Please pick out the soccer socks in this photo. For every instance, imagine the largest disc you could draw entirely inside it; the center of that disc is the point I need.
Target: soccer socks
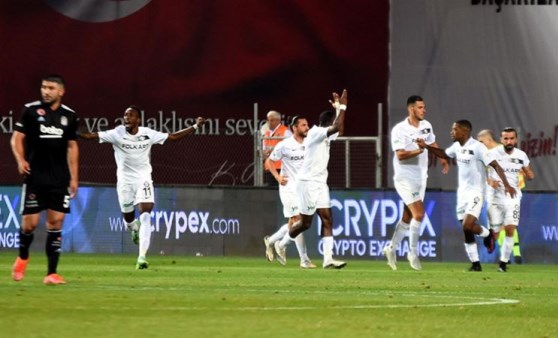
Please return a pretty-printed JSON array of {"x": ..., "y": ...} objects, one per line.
[
  {"x": 506, "y": 249},
  {"x": 414, "y": 236},
  {"x": 400, "y": 231},
  {"x": 25, "y": 241},
  {"x": 472, "y": 251},
  {"x": 279, "y": 234},
  {"x": 301, "y": 247},
  {"x": 53, "y": 248},
  {"x": 285, "y": 240},
  {"x": 516, "y": 248},
  {"x": 144, "y": 233},
  {"x": 328, "y": 248},
  {"x": 485, "y": 232}
]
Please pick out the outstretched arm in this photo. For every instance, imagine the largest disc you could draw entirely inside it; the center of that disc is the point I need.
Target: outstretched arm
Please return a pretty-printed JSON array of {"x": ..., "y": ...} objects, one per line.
[
  {"x": 89, "y": 136},
  {"x": 435, "y": 150},
  {"x": 340, "y": 105},
  {"x": 494, "y": 164},
  {"x": 187, "y": 131},
  {"x": 443, "y": 161}
]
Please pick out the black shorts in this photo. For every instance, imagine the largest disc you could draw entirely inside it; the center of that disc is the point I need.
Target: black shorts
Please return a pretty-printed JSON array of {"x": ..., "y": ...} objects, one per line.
[{"x": 35, "y": 199}]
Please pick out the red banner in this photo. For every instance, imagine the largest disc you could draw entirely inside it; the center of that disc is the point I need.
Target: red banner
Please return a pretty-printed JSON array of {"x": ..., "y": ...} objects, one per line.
[{"x": 192, "y": 58}]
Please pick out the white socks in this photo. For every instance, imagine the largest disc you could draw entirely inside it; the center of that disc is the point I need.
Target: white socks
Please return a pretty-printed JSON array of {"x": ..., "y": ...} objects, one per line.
[
  {"x": 485, "y": 232},
  {"x": 414, "y": 236},
  {"x": 279, "y": 234},
  {"x": 472, "y": 252},
  {"x": 144, "y": 233},
  {"x": 506, "y": 249},
  {"x": 400, "y": 232},
  {"x": 328, "y": 248},
  {"x": 301, "y": 247}
]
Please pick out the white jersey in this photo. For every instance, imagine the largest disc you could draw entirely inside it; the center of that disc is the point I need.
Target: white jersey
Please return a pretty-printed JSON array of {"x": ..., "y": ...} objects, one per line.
[
  {"x": 132, "y": 152},
  {"x": 472, "y": 159},
  {"x": 512, "y": 164},
  {"x": 403, "y": 136},
  {"x": 291, "y": 155},
  {"x": 316, "y": 155}
]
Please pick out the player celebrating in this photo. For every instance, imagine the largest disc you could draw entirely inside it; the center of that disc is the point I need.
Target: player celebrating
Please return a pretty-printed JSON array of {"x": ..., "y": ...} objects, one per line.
[
  {"x": 291, "y": 153},
  {"x": 472, "y": 159},
  {"x": 503, "y": 210},
  {"x": 132, "y": 148},
  {"x": 45, "y": 148},
  {"x": 312, "y": 189},
  {"x": 410, "y": 165}
]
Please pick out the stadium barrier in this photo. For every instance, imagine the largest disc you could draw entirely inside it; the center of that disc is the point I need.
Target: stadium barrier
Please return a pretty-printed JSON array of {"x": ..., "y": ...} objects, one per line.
[{"x": 232, "y": 221}]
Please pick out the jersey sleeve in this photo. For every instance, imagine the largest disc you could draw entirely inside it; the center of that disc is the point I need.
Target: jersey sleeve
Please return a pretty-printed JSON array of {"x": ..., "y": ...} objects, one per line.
[
  {"x": 431, "y": 137},
  {"x": 22, "y": 124},
  {"x": 316, "y": 135},
  {"x": 487, "y": 156},
  {"x": 397, "y": 140},
  {"x": 451, "y": 151},
  {"x": 277, "y": 153},
  {"x": 108, "y": 136},
  {"x": 526, "y": 161},
  {"x": 72, "y": 131},
  {"x": 157, "y": 137}
]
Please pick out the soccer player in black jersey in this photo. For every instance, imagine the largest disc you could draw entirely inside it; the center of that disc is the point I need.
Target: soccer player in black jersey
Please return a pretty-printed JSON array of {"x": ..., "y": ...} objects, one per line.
[{"x": 46, "y": 151}]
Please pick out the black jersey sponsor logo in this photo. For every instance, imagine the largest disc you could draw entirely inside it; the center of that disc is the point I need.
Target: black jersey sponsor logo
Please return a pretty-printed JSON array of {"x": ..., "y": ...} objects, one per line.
[
  {"x": 296, "y": 158},
  {"x": 52, "y": 130}
]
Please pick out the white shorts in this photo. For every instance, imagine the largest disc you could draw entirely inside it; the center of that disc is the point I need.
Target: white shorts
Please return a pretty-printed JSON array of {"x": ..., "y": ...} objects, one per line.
[
  {"x": 469, "y": 204},
  {"x": 503, "y": 214},
  {"x": 289, "y": 199},
  {"x": 410, "y": 191},
  {"x": 312, "y": 195},
  {"x": 131, "y": 194}
]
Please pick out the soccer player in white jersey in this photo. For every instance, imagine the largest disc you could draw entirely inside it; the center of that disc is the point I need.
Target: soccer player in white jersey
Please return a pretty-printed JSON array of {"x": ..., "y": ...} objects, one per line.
[
  {"x": 132, "y": 149},
  {"x": 410, "y": 166},
  {"x": 312, "y": 189},
  {"x": 290, "y": 152},
  {"x": 472, "y": 159},
  {"x": 504, "y": 211}
]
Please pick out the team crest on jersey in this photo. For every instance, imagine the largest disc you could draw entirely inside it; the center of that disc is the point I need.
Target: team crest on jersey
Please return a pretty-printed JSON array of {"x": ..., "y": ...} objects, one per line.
[
  {"x": 143, "y": 138},
  {"x": 41, "y": 112},
  {"x": 467, "y": 151},
  {"x": 63, "y": 120},
  {"x": 425, "y": 131}
]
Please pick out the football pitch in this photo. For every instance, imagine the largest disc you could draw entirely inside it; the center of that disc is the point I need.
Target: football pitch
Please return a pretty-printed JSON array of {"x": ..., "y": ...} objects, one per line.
[{"x": 249, "y": 297}]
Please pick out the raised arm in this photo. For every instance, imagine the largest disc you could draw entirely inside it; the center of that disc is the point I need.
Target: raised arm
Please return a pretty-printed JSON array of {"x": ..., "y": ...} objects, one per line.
[
  {"x": 494, "y": 164},
  {"x": 187, "y": 131},
  {"x": 339, "y": 103}
]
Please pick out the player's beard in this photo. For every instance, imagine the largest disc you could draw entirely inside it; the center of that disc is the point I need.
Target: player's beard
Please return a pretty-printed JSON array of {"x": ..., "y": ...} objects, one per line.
[{"x": 509, "y": 147}]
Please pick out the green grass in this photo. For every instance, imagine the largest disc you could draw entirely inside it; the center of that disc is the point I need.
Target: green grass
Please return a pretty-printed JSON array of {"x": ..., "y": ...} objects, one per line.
[{"x": 248, "y": 297}]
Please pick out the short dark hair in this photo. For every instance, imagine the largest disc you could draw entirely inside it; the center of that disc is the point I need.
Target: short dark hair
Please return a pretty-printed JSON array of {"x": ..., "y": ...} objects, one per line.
[
  {"x": 465, "y": 124},
  {"x": 509, "y": 130},
  {"x": 136, "y": 108},
  {"x": 295, "y": 119},
  {"x": 326, "y": 117},
  {"x": 413, "y": 99},
  {"x": 55, "y": 78}
]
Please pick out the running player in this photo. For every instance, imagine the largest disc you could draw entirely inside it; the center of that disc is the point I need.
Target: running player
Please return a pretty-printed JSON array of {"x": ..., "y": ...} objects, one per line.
[
  {"x": 472, "y": 159},
  {"x": 291, "y": 153},
  {"x": 132, "y": 149}
]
